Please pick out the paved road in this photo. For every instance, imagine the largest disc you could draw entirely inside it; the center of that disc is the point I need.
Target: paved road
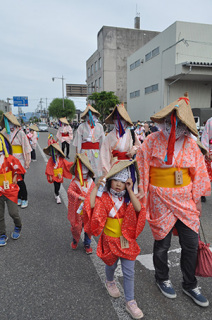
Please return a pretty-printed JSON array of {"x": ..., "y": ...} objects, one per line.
[{"x": 42, "y": 278}]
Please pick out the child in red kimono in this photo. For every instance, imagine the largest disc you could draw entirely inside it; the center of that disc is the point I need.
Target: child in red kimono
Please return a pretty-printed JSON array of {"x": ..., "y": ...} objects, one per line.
[
  {"x": 79, "y": 187},
  {"x": 57, "y": 168},
  {"x": 10, "y": 168},
  {"x": 119, "y": 217}
]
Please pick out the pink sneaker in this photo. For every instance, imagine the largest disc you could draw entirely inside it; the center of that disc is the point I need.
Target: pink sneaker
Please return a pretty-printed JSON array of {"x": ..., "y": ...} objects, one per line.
[
  {"x": 112, "y": 289},
  {"x": 133, "y": 309}
]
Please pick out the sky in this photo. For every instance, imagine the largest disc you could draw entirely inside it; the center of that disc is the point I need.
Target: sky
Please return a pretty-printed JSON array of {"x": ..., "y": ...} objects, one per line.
[{"x": 41, "y": 39}]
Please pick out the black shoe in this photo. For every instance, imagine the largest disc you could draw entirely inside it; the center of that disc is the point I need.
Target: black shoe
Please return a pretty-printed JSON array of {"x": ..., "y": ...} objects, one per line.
[
  {"x": 67, "y": 157},
  {"x": 203, "y": 199}
]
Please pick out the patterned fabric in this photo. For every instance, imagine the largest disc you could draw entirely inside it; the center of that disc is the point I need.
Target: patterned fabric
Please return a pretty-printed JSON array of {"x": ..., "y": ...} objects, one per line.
[
  {"x": 20, "y": 140},
  {"x": 33, "y": 139},
  {"x": 14, "y": 165},
  {"x": 65, "y": 129},
  {"x": 165, "y": 205},
  {"x": 74, "y": 192},
  {"x": 62, "y": 163},
  {"x": 207, "y": 143},
  {"x": 86, "y": 134},
  {"x": 113, "y": 142},
  {"x": 109, "y": 248}
]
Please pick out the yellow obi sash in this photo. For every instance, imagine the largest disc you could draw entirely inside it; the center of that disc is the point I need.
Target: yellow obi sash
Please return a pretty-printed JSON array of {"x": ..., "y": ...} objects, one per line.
[
  {"x": 17, "y": 149},
  {"x": 113, "y": 227},
  {"x": 165, "y": 177},
  {"x": 58, "y": 171},
  {"x": 6, "y": 177}
]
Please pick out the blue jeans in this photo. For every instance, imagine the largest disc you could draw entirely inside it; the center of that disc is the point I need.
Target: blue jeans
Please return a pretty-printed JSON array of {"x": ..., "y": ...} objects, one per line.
[
  {"x": 87, "y": 240},
  {"x": 128, "y": 273},
  {"x": 189, "y": 243}
]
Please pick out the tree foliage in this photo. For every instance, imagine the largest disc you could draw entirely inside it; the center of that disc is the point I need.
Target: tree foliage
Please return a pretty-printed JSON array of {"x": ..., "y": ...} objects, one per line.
[
  {"x": 104, "y": 102},
  {"x": 56, "y": 108}
]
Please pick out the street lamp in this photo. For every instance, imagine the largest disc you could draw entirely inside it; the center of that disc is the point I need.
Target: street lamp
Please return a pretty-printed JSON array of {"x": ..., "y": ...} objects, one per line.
[{"x": 62, "y": 86}]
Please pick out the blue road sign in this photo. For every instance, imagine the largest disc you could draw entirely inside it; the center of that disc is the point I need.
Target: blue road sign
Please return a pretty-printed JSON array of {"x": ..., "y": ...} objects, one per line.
[{"x": 20, "y": 101}]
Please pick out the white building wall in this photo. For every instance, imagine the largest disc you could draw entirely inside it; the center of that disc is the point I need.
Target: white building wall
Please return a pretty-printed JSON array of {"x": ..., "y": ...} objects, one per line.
[{"x": 179, "y": 43}]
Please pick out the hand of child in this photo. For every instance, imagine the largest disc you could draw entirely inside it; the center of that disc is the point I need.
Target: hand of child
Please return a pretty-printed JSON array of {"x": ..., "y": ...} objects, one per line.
[
  {"x": 15, "y": 179},
  {"x": 100, "y": 182},
  {"x": 129, "y": 184},
  {"x": 140, "y": 194},
  {"x": 59, "y": 176},
  {"x": 50, "y": 178},
  {"x": 81, "y": 198},
  {"x": 132, "y": 152}
]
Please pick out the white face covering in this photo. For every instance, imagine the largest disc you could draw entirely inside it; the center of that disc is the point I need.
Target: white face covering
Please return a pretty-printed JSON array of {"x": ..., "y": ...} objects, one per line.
[
  {"x": 84, "y": 169},
  {"x": 95, "y": 119},
  {"x": 123, "y": 122},
  {"x": 181, "y": 129},
  {"x": 12, "y": 126}
]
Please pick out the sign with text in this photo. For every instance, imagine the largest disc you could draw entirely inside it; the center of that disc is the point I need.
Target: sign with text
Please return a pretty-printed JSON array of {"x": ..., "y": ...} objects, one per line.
[
  {"x": 20, "y": 101},
  {"x": 76, "y": 90}
]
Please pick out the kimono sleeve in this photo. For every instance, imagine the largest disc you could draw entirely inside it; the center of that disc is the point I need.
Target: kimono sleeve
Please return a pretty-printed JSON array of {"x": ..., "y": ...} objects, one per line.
[
  {"x": 134, "y": 222},
  {"x": 105, "y": 154},
  {"x": 87, "y": 211},
  {"x": 49, "y": 170},
  {"x": 66, "y": 169},
  {"x": 17, "y": 167},
  {"x": 200, "y": 179},
  {"x": 97, "y": 215}
]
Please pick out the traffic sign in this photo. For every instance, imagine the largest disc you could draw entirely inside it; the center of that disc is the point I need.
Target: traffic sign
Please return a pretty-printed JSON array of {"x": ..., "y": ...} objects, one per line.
[{"x": 20, "y": 101}]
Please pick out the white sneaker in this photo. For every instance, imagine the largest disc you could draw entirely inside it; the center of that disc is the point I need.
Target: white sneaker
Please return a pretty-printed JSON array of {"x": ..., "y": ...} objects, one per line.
[
  {"x": 24, "y": 204},
  {"x": 58, "y": 200}
]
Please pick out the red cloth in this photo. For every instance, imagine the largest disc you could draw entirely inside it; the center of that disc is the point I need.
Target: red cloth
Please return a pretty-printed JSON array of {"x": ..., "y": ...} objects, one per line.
[
  {"x": 11, "y": 164},
  {"x": 51, "y": 141},
  {"x": 120, "y": 155},
  {"x": 109, "y": 248},
  {"x": 65, "y": 134},
  {"x": 64, "y": 164},
  {"x": 76, "y": 220},
  {"x": 90, "y": 145},
  {"x": 204, "y": 260}
]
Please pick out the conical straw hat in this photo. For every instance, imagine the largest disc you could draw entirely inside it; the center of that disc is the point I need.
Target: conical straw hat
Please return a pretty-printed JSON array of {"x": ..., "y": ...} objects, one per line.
[
  {"x": 183, "y": 112},
  {"x": 84, "y": 159},
  {"x": 120, "y": 165},
  {"x": 56, "y": 146},
  {"x": 64, "y": 120},
  {"x": 34, "y": 127},
  {"x": 89, "y": 107},
  {"x": 10, "y": 116},
  {"x": 123, "y": 113}
]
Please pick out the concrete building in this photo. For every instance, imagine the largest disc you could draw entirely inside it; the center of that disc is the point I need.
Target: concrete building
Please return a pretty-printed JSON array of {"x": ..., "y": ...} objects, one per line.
[
  {"x": 107, "y": 67},
  {"x": 178, "y": 59},
  {"x": 5, "y": 106}
]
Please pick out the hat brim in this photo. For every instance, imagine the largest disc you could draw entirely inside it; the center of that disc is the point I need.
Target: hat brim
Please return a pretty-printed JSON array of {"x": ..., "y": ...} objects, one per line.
[
  {"x": 183, "y": 112},
  {"x": 121, "y": 165},
  {"x": 89, "y": 107},
  {"x": 123, "y": 113},
  {"x": 56, "y": 147},
  {"x": 10, "y": 116},
  {"x": 64, "y": 120},
  {"x": 84, "y": 159}
]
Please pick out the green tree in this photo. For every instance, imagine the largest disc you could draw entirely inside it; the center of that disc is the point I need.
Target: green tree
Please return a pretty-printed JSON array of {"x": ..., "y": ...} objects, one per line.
[
  {"x": 56, "y": 108},
  {"x": 1, "y": 113},
  {"x": 104, "y": 102}
]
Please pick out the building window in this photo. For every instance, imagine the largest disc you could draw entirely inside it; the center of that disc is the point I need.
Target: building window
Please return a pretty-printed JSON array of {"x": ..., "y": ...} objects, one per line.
[
  {"x": 151, "y": 89},
  {"x": 135, "y": 64},
  {"x": 100, "y": 63},
  {"x": 135, "y": 94},
  {"x": 96, "y": 85},
  {"x": 89, "y": 72},
  {"x": 100, "y": 82},
  {"x": 152, "y": 54},
  {"x": 92, "y": 69},
  {"x": 95, "y": 66}
]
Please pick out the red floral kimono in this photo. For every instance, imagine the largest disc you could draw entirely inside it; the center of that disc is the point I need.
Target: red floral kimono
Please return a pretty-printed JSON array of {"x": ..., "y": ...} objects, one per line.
[
  {"x": 9, "y": 168},
  {"x": 109, "y": 247},
  {"x": 62, "y": 166},
  {"x": 75, "y": 190}
]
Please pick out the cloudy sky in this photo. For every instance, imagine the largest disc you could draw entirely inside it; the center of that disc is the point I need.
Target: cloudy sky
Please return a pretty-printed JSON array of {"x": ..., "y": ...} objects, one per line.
[{"x": 41, "y": 39}]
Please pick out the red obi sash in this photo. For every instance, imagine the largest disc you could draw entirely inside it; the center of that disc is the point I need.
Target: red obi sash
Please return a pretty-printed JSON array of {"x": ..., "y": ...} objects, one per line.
[
  {"x": 90, "y": 145},
  {"x": 120, "y": 155},
  {"x": 65, "y": 134}
]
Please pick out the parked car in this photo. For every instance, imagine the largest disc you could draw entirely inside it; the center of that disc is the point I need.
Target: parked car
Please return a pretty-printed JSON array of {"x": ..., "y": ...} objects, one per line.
[{"x": 42, "y": 126}]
